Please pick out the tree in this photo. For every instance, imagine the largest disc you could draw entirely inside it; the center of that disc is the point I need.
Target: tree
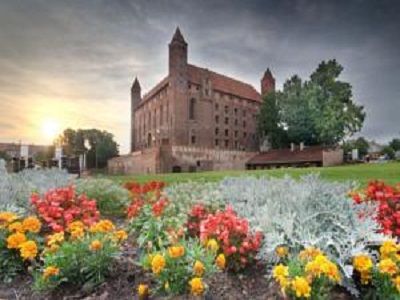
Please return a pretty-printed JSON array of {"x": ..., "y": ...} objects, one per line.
[
  {"x": 389, "y": 152},
  {"x": 102, "y": 146},
  {"x": 395, "y": 144},
  {"x": 4, "y": 155},
  {"x": 269, "y": 122},
  {"x": 319, "y": 111}
]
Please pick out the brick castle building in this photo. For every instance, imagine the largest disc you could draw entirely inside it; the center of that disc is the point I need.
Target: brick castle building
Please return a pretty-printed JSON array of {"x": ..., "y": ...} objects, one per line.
[{"x": 193, "y": 119}]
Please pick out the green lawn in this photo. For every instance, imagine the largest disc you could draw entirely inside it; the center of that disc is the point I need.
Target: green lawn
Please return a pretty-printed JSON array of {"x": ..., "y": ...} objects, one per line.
[{"x": 389, "y": 172}]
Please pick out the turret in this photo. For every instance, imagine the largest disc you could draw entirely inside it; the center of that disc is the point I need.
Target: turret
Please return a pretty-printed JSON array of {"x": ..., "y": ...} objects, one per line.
[
  {"x": 178, "y": 55},
  {"x": 135, "y": 100},
  {"x": 267, "y": 83}
]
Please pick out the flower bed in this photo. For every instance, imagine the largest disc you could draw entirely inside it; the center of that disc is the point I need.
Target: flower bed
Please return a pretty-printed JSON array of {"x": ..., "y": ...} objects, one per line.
[{"x": 277, "y": 238}]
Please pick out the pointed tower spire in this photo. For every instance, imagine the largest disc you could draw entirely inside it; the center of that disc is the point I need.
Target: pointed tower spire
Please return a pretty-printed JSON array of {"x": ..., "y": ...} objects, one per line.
[
  {"x": 178, "y": 37},
  {"x": 267, "y": 82},
  {"x": 136, "y": 84}
]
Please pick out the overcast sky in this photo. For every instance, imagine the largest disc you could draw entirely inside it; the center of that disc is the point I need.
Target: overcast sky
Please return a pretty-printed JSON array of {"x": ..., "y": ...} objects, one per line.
[{"x": 72, "y": 62}]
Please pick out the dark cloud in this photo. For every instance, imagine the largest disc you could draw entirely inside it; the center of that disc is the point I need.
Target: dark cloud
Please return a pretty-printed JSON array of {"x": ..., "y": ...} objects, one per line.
[{"x": 92, "y": 49}]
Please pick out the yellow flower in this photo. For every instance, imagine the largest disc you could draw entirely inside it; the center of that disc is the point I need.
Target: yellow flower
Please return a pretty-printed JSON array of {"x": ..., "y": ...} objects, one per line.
[
  {"x": 280, "y": 271},
  {"x": 387, "y": 248},
  {"x": 362, "y": 263},
  {"x": 31, "y": 224},
  {"x": 50, "y": 271},
  {"x": 281, "y": 251},
  {"x": 52, "y": 249},
  {"x": 76, "y": 229},
  {"x": 102, "y": 226},
  {"x": 396, "y": 282},
  {"x": 120, "y": 235},
  {"x": 331, "y": 270},
  {"x": 212, "y": 245},
  {"x": 301, "y": 287},
  {"x": 28, "y": 250},
  {"x": 95, "y": 245},
  {"x": 197, "y": 286},
  {"x": 166, "y": 286},
  {"x": 16, "y": 227},
  {"x": 15, "y": 240},
  {"x": 176, "y": 251},
  {"x": 143, "y": 291},
  {"x": 157, "y": 263},
  {"x": 7, "y": 217},
  {"x": 55, "y": 239},
  {"x": 309, "y": 253},
  {"x": 220, "y": 261},
  {"x": 198, "y": 268},
  {"x": 388, "y": 266}
]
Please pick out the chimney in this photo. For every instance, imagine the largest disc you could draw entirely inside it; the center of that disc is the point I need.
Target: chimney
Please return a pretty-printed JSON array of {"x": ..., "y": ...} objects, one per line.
[
  {"x": 301, "y": 146},
  {"x": 292, "y": 147}
]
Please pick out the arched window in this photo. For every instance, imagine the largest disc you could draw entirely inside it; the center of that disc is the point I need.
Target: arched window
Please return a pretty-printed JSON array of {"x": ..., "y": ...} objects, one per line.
[{"x": 192, "y": 107}]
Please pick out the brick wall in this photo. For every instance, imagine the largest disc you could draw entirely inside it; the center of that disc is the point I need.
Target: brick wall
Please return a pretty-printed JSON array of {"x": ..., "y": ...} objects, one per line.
[
  {"x": 139, "y": 162},
  {"x": 332, "y": 157}
]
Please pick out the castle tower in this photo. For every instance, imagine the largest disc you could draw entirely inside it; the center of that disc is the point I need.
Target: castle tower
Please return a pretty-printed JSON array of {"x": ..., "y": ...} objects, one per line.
[
  {"x": 135, "y": 99},
  {"x": 178, "y": 78},
  {"x": 267, "y": 83}
]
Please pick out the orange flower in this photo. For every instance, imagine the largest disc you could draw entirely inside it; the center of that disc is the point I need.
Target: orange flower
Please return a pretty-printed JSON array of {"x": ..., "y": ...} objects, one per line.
[
  {"x": 220, "y": 261},
  {"x": 157, "y": 263},
  {"x": 15, "y": 240},
  {"x": 198, "y": 268},
  {"x": 197, "y": 286},
  {"x": 120, "y": 235},
  {"x": 95, "y": 245},
  {"x": 102, "y": 226},
  {"x": 143, "y": 291},
  {"x": 31, "y": 224},
  {"x": 28, "y": 250},
  {"x": 50, "y": 271},
  {"x": 176, "y": 251},
  {"x": 16, "y": 227},
  {"x": 7, "y": 217}
]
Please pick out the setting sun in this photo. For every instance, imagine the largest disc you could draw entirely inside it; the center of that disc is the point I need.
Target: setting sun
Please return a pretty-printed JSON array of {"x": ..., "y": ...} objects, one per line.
[{"x": 50, "y": 128}]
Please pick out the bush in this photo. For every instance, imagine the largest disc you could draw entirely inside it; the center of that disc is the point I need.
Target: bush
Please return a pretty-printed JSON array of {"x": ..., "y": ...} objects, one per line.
[
  {"x": 61, "y": 206},
  {"x": 387, "y": 199},
  {"x": 111, "y": 198},
  {"x": 20, "y": 243},
  {"x": 305, "y": 212},
  {"x": 236, "y": 240},
  {"x": 308, "y": 275},
  {"x": 16, "y": 188},
  {"x": 181, "y": 267},
  {"x": 81, "y": 256},
  {"x": 154, "y": 219},
  {"x": 379, "y": 278}
]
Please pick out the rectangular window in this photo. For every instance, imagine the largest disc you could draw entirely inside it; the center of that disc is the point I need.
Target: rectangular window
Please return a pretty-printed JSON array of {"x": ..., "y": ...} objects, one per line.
[
  {"x": 226, "y": 132},
  {"x": 226, "y": 109},
  {"x": 244, "y": 124},
  {"x": 236, "y": 144},
  {"x": 245, "y": 134},
  {"x": 193, "y": 139},
  {"x": 236, "y": 122},
  {"x": 236, "y": 133},
  {"x": 216, "y": 106},
  {"x": 226, "y": 121},
  {"x": 216, "y": 142},
  {"x": 226, "y": 143},
  {"x": 217, "y": 119},
  {"x": 216, "y": 131},
  {"x": 235, "y": 110}
]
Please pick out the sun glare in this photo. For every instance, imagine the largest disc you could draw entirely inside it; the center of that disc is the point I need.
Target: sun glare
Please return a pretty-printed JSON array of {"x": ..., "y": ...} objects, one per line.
[{"x": 50, "y": 128}]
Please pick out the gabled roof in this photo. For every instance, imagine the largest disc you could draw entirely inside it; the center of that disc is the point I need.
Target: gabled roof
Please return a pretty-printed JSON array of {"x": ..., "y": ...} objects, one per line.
[
  {"x": 224, "y": 83},
  {"x": 282, "y": 156}
]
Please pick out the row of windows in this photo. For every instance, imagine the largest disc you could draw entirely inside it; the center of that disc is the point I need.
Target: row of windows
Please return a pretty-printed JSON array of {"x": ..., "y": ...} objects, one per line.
[
  {"x": 236, "y": 132},
  {"x": 226, "y": 121}
]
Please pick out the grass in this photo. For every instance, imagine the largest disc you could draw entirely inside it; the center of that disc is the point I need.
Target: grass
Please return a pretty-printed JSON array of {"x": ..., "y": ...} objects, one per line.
[{"x": 389, "y": 172}]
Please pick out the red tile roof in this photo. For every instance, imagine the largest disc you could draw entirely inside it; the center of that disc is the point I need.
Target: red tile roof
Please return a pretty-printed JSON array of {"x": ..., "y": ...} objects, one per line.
[
  {"x": 224, "y": 83},
  {"x": 282, "y": 156}
]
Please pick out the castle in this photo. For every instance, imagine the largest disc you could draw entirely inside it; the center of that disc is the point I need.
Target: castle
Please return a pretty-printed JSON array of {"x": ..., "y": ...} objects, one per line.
[{"x": 193, "y": 119}]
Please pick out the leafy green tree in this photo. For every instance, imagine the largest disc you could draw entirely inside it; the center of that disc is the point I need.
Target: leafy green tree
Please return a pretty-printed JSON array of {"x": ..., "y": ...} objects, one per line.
[
  {"x": 395, "y": 144},
  {"x": 389, "y": 152},
  {"x": 269, "y": 122},
  {"x": 101, "y": 148},
  {"x": 361, "y": 144},
  {"x": 318, "y": 111}
]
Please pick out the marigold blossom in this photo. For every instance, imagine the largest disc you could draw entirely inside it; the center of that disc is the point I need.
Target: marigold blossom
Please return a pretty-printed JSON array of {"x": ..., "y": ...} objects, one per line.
[
  {"x": 15, "y": 240},
  {"x": 197, "y": 286},
  {"x": 157, "y": 263},
  {"x": 95, "y": 245},
  {"x": 50, "y": 271},
  {"x": 28, "y": 250},
  {"x": 31, "y": 224},
  {"x": 198, "y": 268}
]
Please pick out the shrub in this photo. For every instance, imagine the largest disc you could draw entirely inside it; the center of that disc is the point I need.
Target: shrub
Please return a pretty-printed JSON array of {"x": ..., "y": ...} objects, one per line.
[
  {"x": 111, "y": 198},
  {"x": 379, "y": 278},
  {"x": 305, "y": 212},
  {"x": 20, "y": 243},
  {"x": 80, "y": 256},
  {"x": 61, "y": 206},
  {"x": 236, "y": 241},
  {"x": 154, "y": 219},
  {"x": 388, "y": 200},
  {"x": 181, "y": 267},
  {"x": 310, "y": 274},
  {"x": 16, "y": 188}
]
